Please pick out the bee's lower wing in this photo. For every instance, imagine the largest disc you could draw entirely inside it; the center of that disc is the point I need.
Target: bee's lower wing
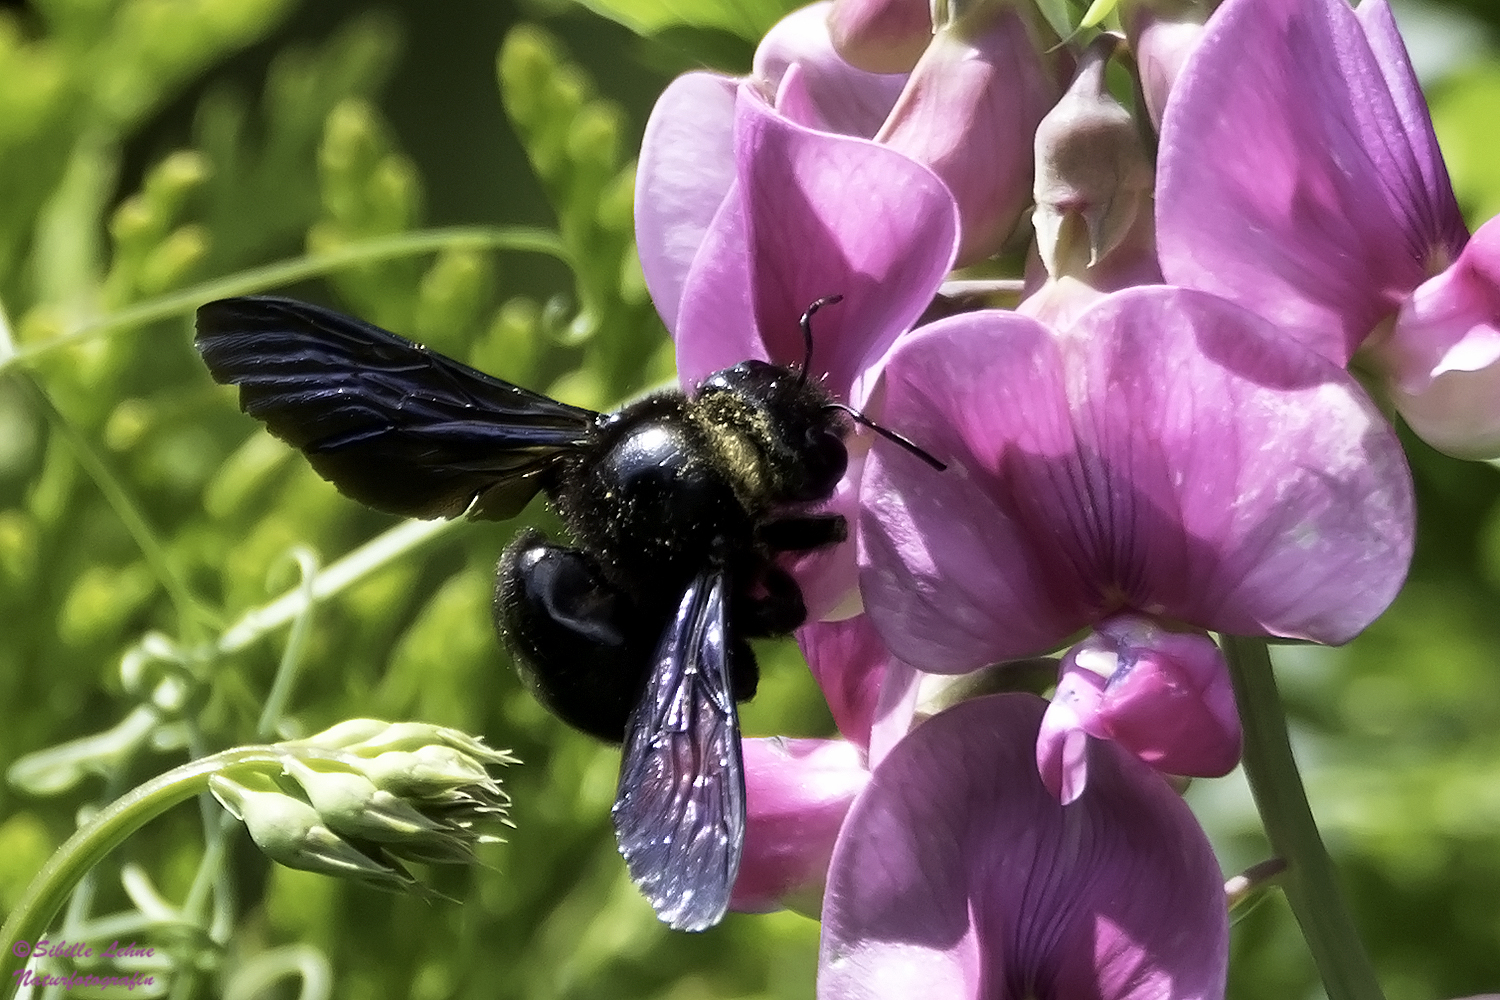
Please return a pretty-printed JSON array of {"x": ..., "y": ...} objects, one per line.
[
  {"x": 680, "y": 811},
  {"x": 390, "y": 423}
]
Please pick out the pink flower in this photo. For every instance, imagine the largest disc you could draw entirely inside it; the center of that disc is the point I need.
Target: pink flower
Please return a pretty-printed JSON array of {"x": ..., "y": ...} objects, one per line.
[
  {"x": 1300, "y": 177},
  {"x": 1168, "y": 454},
  {"x": 957, "y": 875},
  {"x": 1163, "y": 696}
]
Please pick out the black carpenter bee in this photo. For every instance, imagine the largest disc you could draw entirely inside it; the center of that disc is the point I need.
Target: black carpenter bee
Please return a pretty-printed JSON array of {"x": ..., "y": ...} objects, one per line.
[{"x": 677, "y": 505}]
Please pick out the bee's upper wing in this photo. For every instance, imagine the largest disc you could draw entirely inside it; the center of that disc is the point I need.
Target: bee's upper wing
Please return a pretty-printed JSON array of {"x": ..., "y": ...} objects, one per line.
[
  {"x": 680, "y": 811},
  {"x": 390, "y": 423}
]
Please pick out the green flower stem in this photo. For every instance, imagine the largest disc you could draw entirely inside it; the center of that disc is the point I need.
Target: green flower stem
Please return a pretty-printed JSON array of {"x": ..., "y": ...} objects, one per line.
[
  {"x": 1310, "y": 883},
  {"x": 405, "y": 537},
  {"x": 291, "y": 656},
  {"x": 108, "y": 828},
  {"x": 191, "y": 613},
  {"x": 185, "y": 301}
]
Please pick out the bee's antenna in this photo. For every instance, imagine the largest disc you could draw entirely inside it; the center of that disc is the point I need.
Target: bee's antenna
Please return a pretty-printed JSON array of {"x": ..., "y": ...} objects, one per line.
[
  {"x": 889, "y": 435},
  {"x": 806, "y": 324}
]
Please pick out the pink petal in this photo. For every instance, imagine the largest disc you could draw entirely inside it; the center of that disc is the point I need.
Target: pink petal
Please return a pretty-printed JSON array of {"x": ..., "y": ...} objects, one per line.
[
  {"x": 1063, "y": 740},
  {"x": 1162, "y": 36},
  {"x": 817, "y": 215},
  {"x": 957, "y": 875},
  {"x": 796, "y": 795},
  {"x": 831, "y": 215},
  {"x": 1243, "y": 494},
  {"x": 838, "y": 97},
  {"x": 1292, "y": 179},
  {"x": 685, "y": 170},
  {"x": 849, "y": 662},
  {"x": 1442, "y": 355}
]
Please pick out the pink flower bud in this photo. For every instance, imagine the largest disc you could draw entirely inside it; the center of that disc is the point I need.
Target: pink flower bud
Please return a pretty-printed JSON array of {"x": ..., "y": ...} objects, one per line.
[
  {"x": 1163, "y": 696},
  {"x": 1442, "y": 354},
  {"x": 969, "y": 112},
  {"x": 881, "y": 36},
  {"x": 1162, "y": 34}
]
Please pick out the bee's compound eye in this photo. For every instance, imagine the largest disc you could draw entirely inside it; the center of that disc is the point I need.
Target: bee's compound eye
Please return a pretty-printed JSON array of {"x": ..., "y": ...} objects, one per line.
[{"x": 824, "y": 460}]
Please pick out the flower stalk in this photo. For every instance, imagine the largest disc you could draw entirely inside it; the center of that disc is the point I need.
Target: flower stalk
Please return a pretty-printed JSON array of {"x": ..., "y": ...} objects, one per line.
[
  {"x": 103, "y": 833},
  {"x": 1310, "y": 883},
  {"x": 355, "y": 801}
]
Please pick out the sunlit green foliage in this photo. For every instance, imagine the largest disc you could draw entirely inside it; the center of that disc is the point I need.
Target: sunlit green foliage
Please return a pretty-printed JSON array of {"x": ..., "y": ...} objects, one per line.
[
  {"x": 143, "y": 520},
  {"x": 142, "y": 517}
]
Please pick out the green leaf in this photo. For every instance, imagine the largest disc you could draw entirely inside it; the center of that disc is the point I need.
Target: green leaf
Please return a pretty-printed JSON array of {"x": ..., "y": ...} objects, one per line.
[{"x": 747, "y": 19}]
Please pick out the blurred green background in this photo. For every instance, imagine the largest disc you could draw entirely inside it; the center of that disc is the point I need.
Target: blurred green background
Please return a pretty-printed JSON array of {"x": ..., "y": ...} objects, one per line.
[{"x": 430, "y": 166}]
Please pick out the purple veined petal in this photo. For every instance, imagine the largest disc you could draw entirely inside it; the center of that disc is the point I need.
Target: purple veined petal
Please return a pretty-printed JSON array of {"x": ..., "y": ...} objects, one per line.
[
  {"x": 835, "y": 96},
  {"x": 1385, "y": 41},
  {"x": 957, "y": 875},
  {"x": 1255, "y": 491},
  {"x": 1442, "y": 355},
  {"x": 796, "y": 795},
  {"x": 685, "y": 170},
  {"x": 1266, "y": 493},
  {"x": 952, "y": 573},
  {"x": 1292, "y": 182},
  {"x": 833, "y": 215}
]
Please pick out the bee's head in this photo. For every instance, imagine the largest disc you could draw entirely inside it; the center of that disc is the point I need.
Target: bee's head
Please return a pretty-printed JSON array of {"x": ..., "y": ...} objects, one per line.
[{"x": 794, "y": 423}]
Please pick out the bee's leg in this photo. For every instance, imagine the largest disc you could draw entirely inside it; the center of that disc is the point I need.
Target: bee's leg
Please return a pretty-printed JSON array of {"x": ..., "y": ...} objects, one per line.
[
  {"x": 774, "y": 608},
  {"x": 576, "y": 638},
  {"x": 803, "y": 533},
  {"x": 744, "y": 671}
]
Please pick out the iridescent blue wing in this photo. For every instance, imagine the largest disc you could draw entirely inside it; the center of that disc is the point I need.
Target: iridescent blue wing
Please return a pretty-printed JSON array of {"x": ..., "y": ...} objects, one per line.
[
  {"x": 390, "y": 423},
  {"x": 680, "y": 810}
]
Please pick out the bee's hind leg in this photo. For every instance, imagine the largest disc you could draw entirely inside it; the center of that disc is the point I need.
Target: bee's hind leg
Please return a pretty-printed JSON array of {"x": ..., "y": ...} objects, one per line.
[
  {"x": 803, "y": 532},
  {"x": 575, "y": 637}
]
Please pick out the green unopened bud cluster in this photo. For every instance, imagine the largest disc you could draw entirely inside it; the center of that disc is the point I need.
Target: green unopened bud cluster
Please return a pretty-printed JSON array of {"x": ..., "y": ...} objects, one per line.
[{"x": 361, "y": 798}]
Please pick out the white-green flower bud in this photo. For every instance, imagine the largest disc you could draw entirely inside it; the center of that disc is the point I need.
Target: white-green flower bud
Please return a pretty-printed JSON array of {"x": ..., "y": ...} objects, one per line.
[
  {"x": 350, "y": 803},
  {"x": 1094, "y": 180},
  {"x": 290, "y": 832},
  {"x": 370, "y": 793}
]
